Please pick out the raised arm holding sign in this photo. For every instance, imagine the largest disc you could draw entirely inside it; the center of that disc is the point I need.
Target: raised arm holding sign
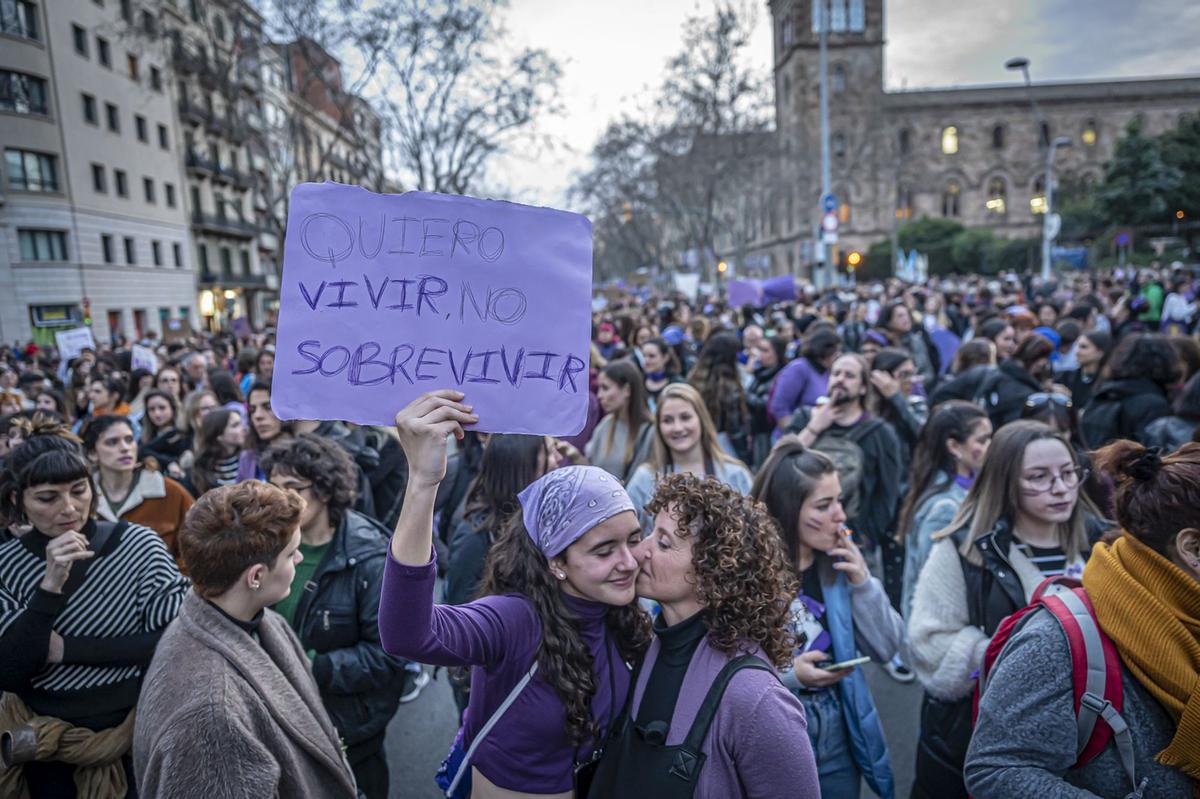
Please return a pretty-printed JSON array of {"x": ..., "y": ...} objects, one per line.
[{"x": 385, "y": 297}]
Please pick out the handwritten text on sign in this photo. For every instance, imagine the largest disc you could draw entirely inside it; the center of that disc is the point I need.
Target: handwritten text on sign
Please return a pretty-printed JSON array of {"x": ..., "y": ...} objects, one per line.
[{"x": 385, "y": 297}]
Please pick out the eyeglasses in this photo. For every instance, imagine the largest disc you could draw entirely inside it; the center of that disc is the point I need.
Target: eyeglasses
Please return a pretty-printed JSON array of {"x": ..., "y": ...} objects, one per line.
[
  {"x": 1041, "y": 398},
  {"x": 297, "y": 487},
  {"x": 1042, "y": 482}
]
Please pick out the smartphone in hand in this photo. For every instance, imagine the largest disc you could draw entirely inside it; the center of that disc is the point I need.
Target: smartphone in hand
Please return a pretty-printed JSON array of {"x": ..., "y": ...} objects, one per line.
[{"x": 829, "y": 665}]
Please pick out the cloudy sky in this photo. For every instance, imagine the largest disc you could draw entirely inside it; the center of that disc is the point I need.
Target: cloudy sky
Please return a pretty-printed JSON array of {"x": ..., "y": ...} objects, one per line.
[{"x": 614, "y": 52}]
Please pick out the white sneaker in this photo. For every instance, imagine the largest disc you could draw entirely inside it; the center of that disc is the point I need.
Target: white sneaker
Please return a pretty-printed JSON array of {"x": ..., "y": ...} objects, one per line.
[
  {"x": 418, "y": 681},
  {"x": 897, "y": 671}
]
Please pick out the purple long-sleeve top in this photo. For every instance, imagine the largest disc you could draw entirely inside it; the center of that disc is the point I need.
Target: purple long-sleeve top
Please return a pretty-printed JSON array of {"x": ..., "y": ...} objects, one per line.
[
  {"x": 758, "y": 743},
  {"x": 797, "y": 384},
  {"x": 498, "y": 637}
]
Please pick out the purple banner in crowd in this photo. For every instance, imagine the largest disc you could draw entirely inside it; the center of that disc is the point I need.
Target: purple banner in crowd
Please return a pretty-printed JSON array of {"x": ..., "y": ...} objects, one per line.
[
  {"x": 387, "y": 296},
  {"x": 780, "y": 289},
  {"x": 745, "y": 292}
]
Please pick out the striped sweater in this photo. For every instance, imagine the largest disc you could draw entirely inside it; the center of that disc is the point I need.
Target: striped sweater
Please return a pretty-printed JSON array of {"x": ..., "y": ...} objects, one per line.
[{"x": 109, "y": 625}]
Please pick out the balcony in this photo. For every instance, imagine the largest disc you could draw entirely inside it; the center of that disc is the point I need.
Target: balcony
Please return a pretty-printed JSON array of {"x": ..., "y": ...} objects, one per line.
[
  {"x": 188, "y": 63},
  {"x": 209, "y": 279},
  {"x": 201, "y": 166},
  {"x": 193, "y": 113},
  {"x": 238, "y": 178},
  {"x": 223, "y": 225}
]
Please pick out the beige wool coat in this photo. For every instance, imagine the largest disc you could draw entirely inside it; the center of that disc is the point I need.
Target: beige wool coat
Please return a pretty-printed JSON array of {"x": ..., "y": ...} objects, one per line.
[{"x": 224, "y": 716}]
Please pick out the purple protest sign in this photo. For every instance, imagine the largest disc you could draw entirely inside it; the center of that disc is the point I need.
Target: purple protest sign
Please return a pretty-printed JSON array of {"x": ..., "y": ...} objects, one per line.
[
  {"x": 745, "y": 292},
  {"x": 780, "y": 289},
  {"x": 241, "y": 327},
  {"x": 387, "y": 296}
]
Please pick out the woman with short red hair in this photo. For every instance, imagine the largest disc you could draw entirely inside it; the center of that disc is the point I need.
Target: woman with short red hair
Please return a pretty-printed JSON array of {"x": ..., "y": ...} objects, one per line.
[{"x": 229, "y": 694}]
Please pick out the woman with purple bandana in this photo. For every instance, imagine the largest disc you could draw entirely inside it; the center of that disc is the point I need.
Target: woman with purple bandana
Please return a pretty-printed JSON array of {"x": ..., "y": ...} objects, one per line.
[{"x": 550, "y": 638}]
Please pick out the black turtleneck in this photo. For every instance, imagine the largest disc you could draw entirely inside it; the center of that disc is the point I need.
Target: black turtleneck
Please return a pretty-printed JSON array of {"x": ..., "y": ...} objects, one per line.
[
  {"x": 678, "y": 644},
  {"x": 250, "y": 627}
]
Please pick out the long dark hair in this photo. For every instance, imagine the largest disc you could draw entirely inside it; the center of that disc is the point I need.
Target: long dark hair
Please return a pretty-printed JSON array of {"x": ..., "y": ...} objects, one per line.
[
  {"x": 784, "y": 482},
  {"x": 509, "y": 464},
  {"x": 637, "y": 410},
  {"x": 887, "y": 360},
  {"x": 954, "y": 420},
  {"x": 716, "y": 377},
  {"x": 516, "y": 566},
  {"x": 149, "y": 430},
  {"x": 208, "y": 450}
]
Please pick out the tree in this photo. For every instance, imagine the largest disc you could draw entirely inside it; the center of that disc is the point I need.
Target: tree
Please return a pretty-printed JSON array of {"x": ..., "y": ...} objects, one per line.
[
  {"x": 1181, "y": 152},
  {"x": 1137, "y": 182},
  {"x": 452, "y": 91},
  {"x": 692, "y": 171}
]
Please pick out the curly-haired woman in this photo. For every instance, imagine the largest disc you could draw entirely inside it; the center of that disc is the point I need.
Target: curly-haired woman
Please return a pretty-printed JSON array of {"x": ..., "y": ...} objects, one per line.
[
  {"x": 707, "y": 716},
  {"x": 334, "y": 602},
  {"x": 553, "y": 631},
  {"x": 839, "y": 610},
  {"x": 230, "y": 707},
  {"x": 83, "y": 602}
]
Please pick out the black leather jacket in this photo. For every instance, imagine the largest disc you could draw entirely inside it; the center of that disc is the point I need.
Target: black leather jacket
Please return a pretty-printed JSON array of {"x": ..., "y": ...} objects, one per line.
[{"x": 338, "y": 617}]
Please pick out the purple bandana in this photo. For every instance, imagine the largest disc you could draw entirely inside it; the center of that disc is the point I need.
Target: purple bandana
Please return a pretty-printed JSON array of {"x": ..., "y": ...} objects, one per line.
[{"x": 558, "y": 508}]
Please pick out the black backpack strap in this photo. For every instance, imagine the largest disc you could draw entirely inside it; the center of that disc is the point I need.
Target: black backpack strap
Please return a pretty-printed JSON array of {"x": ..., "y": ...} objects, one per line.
[{"x": 708, "y": 710}]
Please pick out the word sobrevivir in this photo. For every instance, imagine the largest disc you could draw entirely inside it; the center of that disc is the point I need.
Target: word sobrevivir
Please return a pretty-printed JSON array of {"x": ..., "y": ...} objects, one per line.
[{"x": 363, "y": 365}]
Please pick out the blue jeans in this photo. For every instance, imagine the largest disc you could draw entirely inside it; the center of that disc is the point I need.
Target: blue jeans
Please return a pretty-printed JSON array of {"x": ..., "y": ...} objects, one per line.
[{"x": 830, "y": 740}]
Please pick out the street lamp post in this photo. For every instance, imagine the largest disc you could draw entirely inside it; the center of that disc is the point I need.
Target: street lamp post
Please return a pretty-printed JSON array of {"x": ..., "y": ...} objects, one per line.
[
  {"x": 1049, "y": 223},
  {"x": 1048, "y": 147},
  {"x": 823, "y": 70}
]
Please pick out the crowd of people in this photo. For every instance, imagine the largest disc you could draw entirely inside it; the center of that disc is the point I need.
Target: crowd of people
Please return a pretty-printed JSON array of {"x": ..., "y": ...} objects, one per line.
[{"x": 989, "y": 486}]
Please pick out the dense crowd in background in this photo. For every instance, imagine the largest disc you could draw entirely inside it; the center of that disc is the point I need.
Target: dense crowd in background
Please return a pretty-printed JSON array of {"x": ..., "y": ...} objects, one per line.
[{"x": 200, "y": 599}]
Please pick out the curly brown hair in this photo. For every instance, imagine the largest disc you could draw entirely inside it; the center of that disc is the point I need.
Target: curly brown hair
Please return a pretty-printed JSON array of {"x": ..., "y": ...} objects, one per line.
[
  {"x": 516, "y": 565},
  {"x": 321, "y": 462},
  {"x": 742, "y": 575}
]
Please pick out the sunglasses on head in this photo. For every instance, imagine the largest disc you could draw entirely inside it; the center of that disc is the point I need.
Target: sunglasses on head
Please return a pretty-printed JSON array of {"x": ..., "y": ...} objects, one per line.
[{"x": 1041, "y": 398}]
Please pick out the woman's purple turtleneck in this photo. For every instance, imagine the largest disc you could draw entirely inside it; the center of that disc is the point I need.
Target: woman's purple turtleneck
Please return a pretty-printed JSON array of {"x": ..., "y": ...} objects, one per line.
[{"x": 528, "y": 749}]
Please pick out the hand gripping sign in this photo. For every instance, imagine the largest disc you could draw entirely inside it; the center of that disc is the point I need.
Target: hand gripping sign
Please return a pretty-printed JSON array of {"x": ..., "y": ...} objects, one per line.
[{"x": 387, "y": 296}]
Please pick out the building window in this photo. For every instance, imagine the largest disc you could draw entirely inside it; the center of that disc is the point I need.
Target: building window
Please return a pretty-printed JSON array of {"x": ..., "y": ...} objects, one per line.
[
  {"x": 139, "y": 124},
  {"x": 226, "y": 262},
  {"x": 219, "y": 27},
  {"x": 837, "y": 78},
  {"x": 21, "y": 93},
  {"x": 950, "y": 199},
  {"x": 950, "y": 140},
  {"x": 169, "y": 194},
  {"x": 130, "y": 251},
  {"x": 149, "y": 26},
  {"x": 904, "y": 141},
  {"x": 997, "y": 201},
  {"x": 89, "y": 109},
  {"x": 1037, "y": 203},
  {"x": 127, "y": 11},
  {"x": 1045, "y": 134},
  {"x": 904, "y": 202},
  {"x": 19, "y": 18},
  {"x": 30, "y": 171},
  {"x": 1089, "y": 136},
  {"x": 998, "y": 137},
  {"x": 858, "y": 16},
  {"x": 81, "y": 40},
  {"x": 43, "y": 245},
  {"x": 135, "y": 73},
  {"x": 156, "y": 79},
  {"x": 245, "y": 263},
  {"x": 103, "y": 53},
  {"x": 148, "y": 189},
  {"x": 106, "y": 247},
  {"x": 202, "y": 252},
  {"x": 163, "y": 140},
  {"x": 197, "y": 208},
  {"x": 156, "y": 252},
  {"x": 838, "y": 146},
  {"x": 120, "y": 182},
  {"x": 99, "y": 179},
  {"x": 787, "y": 31},
  {"x": 113, "y": 117},
  {"x": 177, "y": 252}
]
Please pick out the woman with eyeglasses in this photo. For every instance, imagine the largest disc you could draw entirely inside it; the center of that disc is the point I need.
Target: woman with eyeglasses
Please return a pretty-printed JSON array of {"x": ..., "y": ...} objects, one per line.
[
  {"x": 1061, "y": 413},
  {"x": 1023, "y": 520}
]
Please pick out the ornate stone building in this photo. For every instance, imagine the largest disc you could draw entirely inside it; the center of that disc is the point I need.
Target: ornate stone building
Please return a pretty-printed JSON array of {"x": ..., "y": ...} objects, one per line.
[{"x": 970, "y": 154}]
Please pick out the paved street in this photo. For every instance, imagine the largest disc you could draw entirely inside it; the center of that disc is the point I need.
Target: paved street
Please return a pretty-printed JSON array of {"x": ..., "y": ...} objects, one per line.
[{"x": 422, "y": 730}]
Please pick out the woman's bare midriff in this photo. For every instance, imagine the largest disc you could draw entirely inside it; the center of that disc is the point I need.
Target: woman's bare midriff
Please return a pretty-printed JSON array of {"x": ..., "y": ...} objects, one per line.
[{"x": 483, "y": 788}]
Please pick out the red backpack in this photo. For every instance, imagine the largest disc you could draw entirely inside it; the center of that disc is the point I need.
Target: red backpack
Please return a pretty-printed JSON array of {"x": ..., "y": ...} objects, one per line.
[{"x": 1095, "y": 670}]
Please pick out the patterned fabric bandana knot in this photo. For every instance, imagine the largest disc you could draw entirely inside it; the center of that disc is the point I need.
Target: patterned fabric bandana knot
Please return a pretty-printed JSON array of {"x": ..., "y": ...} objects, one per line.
[{"x": 559, "y": 507}]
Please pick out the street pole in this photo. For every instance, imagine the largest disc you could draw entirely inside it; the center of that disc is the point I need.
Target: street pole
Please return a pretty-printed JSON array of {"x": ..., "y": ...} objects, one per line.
[
  {"x": 1048, "y": 234},
  {"x": 823, "y": 70}
]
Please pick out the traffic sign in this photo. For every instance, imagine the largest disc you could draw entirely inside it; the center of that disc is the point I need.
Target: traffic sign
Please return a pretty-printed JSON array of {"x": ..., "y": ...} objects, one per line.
[
  {"x": 828, "y": 202},
  {"x": 829, "y": 222},
  {"x": 1053, "y": 226}
]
